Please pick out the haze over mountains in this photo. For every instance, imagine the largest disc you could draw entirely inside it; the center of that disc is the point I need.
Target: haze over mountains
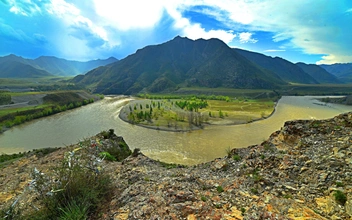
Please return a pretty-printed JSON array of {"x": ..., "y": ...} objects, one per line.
[
  {"x": 204, "y": 63},
  {"x": 13, "y": 66}
]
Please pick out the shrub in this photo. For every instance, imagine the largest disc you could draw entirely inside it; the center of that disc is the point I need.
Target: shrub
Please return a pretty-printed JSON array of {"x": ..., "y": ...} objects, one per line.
[
  {"x": 254, "y": 190},
  {"x": 236, "y": 157},
  {"x": 219, "y": 189},
  {"x": 107, "y": 156},
  {"x": 340, "y": 197},
  {"x": 79, "y": 189},
  {"x": 339, "y": 184}
]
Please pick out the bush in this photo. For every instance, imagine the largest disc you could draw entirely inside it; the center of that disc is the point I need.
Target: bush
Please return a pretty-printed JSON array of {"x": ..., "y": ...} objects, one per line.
[
  {"x": 79, "y": 189},
  {"x": 219, "y": 189},
  {"x": 236, "y": 157},
  {"x": 107, "y": 156},
  {"x": 340, "y": 197}
]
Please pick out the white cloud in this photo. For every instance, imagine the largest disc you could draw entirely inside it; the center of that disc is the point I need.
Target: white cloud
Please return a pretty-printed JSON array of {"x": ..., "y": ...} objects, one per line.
[
  {"x": 246, "y": 37},
  {"x": 26, "y": 7},
  {"x": 73, "y": 19},
  {"x": 273, "y": 50},
  {"x": 131, "y": 14},
  {"x": 314, "y": 27},
  {"x": 62, "y": 8},
  {"x": 331, "y": 59},
  {"x": 195, "y": 31}
]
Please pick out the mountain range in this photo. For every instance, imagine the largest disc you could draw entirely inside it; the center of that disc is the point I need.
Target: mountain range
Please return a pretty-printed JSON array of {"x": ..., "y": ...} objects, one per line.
[
  {"x": 13, "y": 66},
  {"x": 343, "y": 71},
  {"x": 182, "y": 62}
]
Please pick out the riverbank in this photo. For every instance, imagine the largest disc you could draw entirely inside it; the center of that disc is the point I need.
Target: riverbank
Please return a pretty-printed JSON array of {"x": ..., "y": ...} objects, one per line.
[
  {"x": 301, "y": 172},
  {"x": 177, "y": 120},
  {"x": 27, "y": 106}
]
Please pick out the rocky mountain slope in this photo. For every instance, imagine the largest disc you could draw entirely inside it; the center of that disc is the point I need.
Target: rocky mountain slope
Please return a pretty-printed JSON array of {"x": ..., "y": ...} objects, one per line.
[
  {"x": 303, "y": 171},
  {"x": 178, "y": 63}
]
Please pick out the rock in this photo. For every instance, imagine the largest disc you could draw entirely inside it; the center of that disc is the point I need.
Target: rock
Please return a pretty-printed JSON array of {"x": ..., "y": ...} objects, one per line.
[{"x": 348, "y": 207}]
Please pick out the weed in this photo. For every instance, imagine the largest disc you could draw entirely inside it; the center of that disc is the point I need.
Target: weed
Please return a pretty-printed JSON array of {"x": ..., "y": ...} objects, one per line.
[
  {"x": 170, "y": 165},
  {"x": 243, "y": 210},
  {"x": 10, "y": 213},
  {"x": 340, "y": 197},
  {"x": 203, "y": 198},
  {"x": 315, "y": 124},
  {"x": 228, "y": 151},
  {"x": 74, "y": 210},
  {"x": 107, "y": 156},
  {"x": 219, "y": 189},
  {"x": 262, "y": 156},
  {"x": 79, "y": 190},
  {"x": 236, "y": 157},
  {"x": 339, "y": 184},
  {"x": 288, "y": 196},
  {"x": 267, "y": 146},
  {"x": 254, "y": 190},
  {"x": 256, "y": 177}
]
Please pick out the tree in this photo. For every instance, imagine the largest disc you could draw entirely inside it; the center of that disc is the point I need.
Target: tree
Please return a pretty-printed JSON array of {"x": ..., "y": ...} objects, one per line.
[{"x": 221, "y": 115}]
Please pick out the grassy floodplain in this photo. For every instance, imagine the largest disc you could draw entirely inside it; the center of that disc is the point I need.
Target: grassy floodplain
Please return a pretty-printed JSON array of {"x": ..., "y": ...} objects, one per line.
[
  {"x": 175, "y": 112},
  {"x": 26, "y": 106}
]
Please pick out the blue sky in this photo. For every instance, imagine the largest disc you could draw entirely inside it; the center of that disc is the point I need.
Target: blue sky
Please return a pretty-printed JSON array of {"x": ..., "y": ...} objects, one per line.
[{"x": 311, "y": 31}]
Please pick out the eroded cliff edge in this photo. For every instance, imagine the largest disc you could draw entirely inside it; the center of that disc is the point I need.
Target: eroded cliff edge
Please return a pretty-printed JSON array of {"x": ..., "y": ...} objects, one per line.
[{"x": 296, "y": 174}]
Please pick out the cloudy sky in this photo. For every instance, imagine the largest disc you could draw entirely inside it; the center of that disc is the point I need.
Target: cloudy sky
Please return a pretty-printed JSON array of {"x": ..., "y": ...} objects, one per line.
[{"x": 312, "y": 31}]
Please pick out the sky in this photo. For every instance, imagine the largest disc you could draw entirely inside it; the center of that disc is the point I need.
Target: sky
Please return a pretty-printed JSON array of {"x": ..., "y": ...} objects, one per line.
[{"x": 310, "y": 31}]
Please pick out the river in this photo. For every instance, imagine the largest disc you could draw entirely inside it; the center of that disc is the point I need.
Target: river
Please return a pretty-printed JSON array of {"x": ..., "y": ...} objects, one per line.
[{"x": 185, "y": 148}]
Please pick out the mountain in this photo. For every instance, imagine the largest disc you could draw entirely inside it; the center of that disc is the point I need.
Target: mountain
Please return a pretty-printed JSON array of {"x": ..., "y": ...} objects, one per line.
[
  {"x": 286, "y": 70},
  {"x": 54, "y": 65},
  {"x": 64, "y": 67},
  {"x": 176, "y": 63},
  {"x": 15, "y": 69},
  {"x": 343, "y": 71},
  {"x": 318, "y": 73}
]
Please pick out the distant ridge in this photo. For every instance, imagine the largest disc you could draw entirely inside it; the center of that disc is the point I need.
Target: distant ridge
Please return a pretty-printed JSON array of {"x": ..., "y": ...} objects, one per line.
[
  {"x": 178, "y": 63},
  {"x": 318, "y": 73},
  {"x": 286, "y": 70},
  {"x": 14, "y": 69},
  {"x": 51, "y": 65},
  {"x": 343, "y": 71}
]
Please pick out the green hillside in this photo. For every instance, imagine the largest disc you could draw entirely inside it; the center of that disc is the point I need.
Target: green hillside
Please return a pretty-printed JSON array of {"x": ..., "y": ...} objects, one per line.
[
  {"x": 180, "y": 62},
  {"x": 286, "y": 70},
  {"x": 318, "y": 73}
]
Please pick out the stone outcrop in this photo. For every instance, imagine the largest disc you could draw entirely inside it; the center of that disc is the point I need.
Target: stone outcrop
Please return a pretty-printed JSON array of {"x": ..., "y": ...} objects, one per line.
[{"x": 295, "y": 174}]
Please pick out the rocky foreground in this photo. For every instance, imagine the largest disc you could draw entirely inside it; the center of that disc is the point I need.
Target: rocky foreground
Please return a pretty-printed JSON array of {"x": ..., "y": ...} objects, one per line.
[{"x": 303, "y": 171}]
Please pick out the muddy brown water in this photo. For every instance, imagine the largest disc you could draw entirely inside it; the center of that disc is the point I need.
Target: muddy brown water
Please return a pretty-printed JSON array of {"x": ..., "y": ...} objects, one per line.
[{"x": 176, "y": 147}]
